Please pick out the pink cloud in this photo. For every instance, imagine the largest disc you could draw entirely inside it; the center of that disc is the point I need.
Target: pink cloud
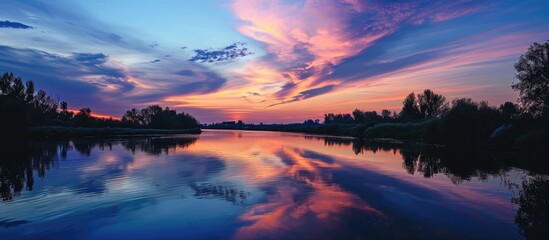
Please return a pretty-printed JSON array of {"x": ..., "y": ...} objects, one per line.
[{"x": 304, "y": 40}]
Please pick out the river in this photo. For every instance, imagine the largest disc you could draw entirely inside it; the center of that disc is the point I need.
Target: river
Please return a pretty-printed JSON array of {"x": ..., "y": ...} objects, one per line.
[{"x": 260, "y": 185}]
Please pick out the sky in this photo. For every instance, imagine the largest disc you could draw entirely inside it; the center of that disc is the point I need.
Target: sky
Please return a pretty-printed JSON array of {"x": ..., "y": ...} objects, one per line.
[{"x": 270, "y": 61}]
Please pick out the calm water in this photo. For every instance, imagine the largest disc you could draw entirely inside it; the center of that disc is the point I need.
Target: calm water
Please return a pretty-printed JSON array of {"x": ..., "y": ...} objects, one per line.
[{"x": 261, "y": 185}]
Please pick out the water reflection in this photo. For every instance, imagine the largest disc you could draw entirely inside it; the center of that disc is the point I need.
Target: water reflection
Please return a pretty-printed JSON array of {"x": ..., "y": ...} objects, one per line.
[
  {"x": 533, "y": 213},
  {"x": 457, "y": 164},
  {"x": 19, "y": 165},
  {"x": 250, "y": 185},
  {"x": 237, "y": 197}
]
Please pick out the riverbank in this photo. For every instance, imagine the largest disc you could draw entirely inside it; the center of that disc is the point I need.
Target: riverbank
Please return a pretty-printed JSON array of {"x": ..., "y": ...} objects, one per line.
[
  {"x": 346, "y": 130},
  {"x": 61, "y": 132}
]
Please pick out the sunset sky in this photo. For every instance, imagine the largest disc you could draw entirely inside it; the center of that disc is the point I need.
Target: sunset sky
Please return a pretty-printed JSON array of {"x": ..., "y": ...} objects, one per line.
[{"x": 272, "y": 61}]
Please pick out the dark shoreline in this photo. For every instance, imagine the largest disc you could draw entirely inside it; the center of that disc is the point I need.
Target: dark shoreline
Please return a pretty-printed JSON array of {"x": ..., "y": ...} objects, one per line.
[{"x": 63, "y": 132}]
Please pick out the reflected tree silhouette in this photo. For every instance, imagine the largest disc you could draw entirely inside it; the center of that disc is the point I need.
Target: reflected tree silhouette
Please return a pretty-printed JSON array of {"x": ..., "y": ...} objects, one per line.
[
  {"x": 19, "y": 165},
  {"x": 157, "y": 146},
  {"x": 533, "y": 213},
  {"x": 458, "y": 164},
  {"x": 237, "y": 197},
  {"x": 463, "y": 164}
]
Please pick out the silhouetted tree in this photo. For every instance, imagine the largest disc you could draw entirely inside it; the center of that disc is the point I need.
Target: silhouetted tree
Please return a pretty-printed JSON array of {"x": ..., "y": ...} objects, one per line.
[
  {"x": 155, "y": 117},
  {"x": 431, "y": 104},
  {"x": 309, "y": 122},
  {"x": 5, "y": 83},
  {"x": 358, "y": 116},
  {"x": 17, "y": 88},
  {"x": 65, "y": 115},
  {"x": 410, "y": 109},
  {"x": 29, "y": 92},
  {"x": 509, "y": 110},
  {"x": 385, "y": 114},
  {"x": 532, "y": 71},
  {"x": 83, "y": 118},
  {"x": 132, "y": 117}
]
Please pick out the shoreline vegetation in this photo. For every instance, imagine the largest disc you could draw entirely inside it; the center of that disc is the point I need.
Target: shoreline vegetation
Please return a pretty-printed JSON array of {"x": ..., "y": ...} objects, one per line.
[
  {"x": 64, "y": 132},
  {"x": 26, "y": 115}
]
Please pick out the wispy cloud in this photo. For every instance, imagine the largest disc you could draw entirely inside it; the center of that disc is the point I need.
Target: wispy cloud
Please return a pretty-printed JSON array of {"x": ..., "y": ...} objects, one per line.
[
  {"x": 233, "y": 51},
  {"x": 307, "y": 94}
]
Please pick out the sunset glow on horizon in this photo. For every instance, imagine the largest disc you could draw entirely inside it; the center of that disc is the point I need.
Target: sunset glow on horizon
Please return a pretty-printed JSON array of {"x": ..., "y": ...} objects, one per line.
[{"x": 269, "y": 61}]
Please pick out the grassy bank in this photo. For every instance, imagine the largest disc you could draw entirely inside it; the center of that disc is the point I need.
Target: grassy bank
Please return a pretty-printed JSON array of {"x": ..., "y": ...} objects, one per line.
[
  {"x": 60, "y": 132},
  {"x": 425, "y": 131}
]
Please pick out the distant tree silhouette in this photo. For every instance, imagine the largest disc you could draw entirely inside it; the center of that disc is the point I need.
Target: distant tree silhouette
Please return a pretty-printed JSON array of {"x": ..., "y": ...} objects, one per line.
[
  {"x": 431, "y": 104},
  {"x": 29, "y": 92},
  {"x": 65, "y": 114},
  {"x": 358, "y": 116},
  {"x": 410, "y": 109},
  {"x": 532, "y": 72},
  {"x": 338, "y": 118},
  {"x": 17, "y": 89},
  {"x": 83, "y": 118},
  {"x": 5, "y": 83},
  {"x": 309, "y": 122},
  {"x": 132, "y": 117},
  {"x": 509, "y": 110},
  {"x": 371, "y": 116},
  {"x": 155, "y": 117},
  {"x": 385, "y": 114}
]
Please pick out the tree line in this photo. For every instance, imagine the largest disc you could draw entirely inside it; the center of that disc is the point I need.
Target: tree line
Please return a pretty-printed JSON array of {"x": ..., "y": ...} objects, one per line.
[
  {"x": 22, "y": 107},
  {"x": 425, "y": 105},
  {"x": 430, "y": 117},
  {"x": 531, "y": 71}
]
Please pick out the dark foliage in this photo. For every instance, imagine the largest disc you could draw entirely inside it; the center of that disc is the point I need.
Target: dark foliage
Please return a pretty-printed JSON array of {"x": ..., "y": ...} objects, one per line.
[
  {"x": 431, "y": 104},
  {"x": 468, "y": 122},
  {"x": 13, "y": 120},
  {"x": 338, "y": 118},
  {"x": 410, "y": 108},
  {"x": 509, "y": 111},
  {"x": 21, "y": 108},
  {"x": 155, "y": 117},
  {"x": 532, "y": 71},
  {"x": 533, "y": 213}
]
